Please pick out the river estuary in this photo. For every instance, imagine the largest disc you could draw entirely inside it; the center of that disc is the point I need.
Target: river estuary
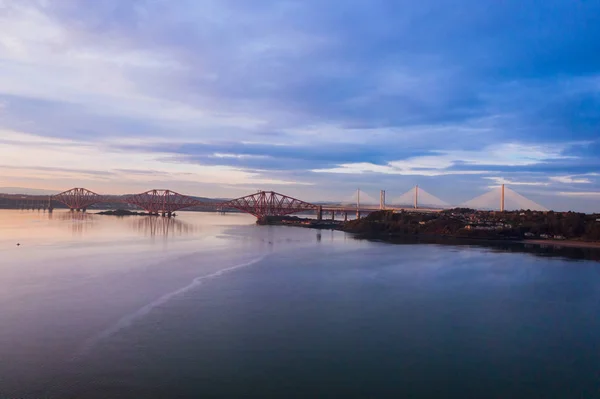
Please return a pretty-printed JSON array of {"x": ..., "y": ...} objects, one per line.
[{"x": 213, "y": 306}]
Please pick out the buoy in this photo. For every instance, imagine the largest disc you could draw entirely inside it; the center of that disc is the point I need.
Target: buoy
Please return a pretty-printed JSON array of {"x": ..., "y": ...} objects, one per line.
[{"x": 18, "y": 244}]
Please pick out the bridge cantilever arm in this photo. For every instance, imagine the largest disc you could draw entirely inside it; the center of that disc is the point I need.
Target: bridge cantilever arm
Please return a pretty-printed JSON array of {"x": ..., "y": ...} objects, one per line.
[{"x": 269, "y": 203}]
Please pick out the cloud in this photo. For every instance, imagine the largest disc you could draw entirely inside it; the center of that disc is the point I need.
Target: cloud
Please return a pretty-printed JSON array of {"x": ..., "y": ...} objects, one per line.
[
  {"x": 360, "y": 168},
  {"x": 296, "y": 64},
  {"x": 590, "y": 194},
  {"x": 224, "y": 93},
  {"x": 222, "y": 155},
  {"x": 570, "y": 179},
  {"x": 458, "y": 162},
  {"x": 74, "y": 162},
  {"x": 501, "y": 180}
]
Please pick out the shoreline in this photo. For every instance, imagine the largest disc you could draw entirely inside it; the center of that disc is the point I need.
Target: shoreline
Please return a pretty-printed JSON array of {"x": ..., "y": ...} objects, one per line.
[
  {"x": 564, "y": 243},
  {"x": 475, "y": 240},
  {"x": 428, "y": 238}
]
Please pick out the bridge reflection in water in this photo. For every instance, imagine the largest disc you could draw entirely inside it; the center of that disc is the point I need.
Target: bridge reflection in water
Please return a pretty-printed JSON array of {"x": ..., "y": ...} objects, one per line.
[
  {"x": 150, "y": 226},
  {"x": 153, "y": 226},
  {"x": 80, "y": 222}
]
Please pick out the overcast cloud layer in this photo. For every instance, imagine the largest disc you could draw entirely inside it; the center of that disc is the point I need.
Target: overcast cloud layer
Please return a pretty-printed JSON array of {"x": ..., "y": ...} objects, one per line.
[{"x": 309, "y": 98}]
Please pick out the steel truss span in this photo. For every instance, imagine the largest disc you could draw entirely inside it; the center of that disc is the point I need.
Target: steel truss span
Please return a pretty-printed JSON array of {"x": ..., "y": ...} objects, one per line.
[
  {"x": 78, "y": 198},
  {"x": 261, "y": 204},
  {"x": 162, "y": 201},
  {"x": 269, "y": 203}
]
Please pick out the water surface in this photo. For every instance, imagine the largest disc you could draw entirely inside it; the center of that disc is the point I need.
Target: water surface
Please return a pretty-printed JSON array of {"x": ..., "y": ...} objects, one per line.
[{"x": 209, "y": 305}]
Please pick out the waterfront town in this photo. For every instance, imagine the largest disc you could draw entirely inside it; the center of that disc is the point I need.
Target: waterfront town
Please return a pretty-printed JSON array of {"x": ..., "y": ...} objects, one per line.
[
  {"x": 468, "y": 223},
  {"x": 465, "y": 223}
]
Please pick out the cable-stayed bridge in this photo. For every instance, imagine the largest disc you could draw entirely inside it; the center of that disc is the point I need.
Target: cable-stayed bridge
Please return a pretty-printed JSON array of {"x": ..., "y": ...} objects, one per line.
[
  {"x": 270, "y": 203},
  {"x": 509, "y": 200},
  {"x": 417, "y": 197},
  {"x": 414, "y": 198}
]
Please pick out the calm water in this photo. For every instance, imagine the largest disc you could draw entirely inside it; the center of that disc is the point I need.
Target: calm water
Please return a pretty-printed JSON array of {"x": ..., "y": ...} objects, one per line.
[{"x": 213, "y": 306}]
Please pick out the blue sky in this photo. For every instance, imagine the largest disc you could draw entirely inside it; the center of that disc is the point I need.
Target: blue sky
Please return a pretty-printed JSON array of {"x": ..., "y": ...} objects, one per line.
[{"x": 309, "y": 98}]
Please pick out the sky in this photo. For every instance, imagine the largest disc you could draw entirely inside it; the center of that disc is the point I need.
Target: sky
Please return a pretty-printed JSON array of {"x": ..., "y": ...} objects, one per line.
[{"x": 310, "y": 98}]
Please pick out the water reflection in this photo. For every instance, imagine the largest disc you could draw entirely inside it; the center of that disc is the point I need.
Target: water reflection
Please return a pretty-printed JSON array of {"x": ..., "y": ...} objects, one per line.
[
  {"x": 159, "y": 226},
  {"x": 80, "y": 222},
  {"x": 572, "y": 253},
  {"x": 469, "y": 318},
  {"x": 150, "y": 226},
  {"x": 75, "y": 216}
]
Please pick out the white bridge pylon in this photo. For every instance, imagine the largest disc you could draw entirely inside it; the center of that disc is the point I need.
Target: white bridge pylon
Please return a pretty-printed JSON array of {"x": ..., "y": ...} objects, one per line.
[
  {"x": 361, "y": 198},
  {"x": 416, "y": 197},
  {"x": 502, "y": 198}
]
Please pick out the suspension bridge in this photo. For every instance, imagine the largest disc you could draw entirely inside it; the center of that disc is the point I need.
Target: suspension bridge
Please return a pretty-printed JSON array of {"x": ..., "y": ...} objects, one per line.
[{"x": 270, "y": 203}]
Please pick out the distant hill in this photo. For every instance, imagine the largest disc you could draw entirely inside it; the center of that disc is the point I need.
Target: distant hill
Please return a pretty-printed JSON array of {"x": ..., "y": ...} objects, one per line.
[
  {"x": 29, "y": 191},
  {"x": 36, "y": 191}
]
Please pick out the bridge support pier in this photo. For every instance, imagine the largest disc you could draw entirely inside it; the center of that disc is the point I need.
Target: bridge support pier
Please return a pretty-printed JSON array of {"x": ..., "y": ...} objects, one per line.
[
  {"x": 332, "y": 215},
  {"x": 163, "y": 214},
  {"x": 320, "y": 213},
  {"x": 84, "y": 209},
  {"x": 345, "y": 216},
  {"x": 169, "y": 214},
  {"x": 357, "y": 214}
]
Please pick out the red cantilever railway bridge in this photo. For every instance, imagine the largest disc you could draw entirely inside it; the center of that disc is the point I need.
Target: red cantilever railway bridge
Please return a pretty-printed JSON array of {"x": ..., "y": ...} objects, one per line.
[{"x": 165, "y": 202}]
